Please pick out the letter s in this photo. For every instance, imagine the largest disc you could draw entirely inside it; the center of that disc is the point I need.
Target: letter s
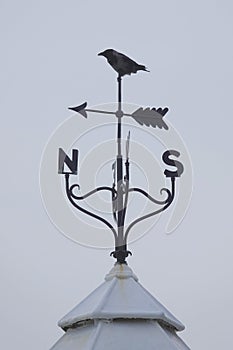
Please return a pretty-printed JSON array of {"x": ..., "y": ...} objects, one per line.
[{"x": 167, "y": 160}]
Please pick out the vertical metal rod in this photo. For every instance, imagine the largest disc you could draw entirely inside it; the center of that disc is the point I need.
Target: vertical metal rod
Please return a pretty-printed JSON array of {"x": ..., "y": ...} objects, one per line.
[
  {"x": 119, "y": 161},
  {"x": 119, "y": 115}
]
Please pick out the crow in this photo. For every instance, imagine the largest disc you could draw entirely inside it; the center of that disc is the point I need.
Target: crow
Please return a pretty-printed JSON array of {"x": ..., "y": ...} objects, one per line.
[{"x": 120, "y": 63}]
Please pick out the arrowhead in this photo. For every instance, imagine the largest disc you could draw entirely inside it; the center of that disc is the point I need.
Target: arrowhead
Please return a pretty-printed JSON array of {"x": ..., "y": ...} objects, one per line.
[{"x": 80, "y": 109}]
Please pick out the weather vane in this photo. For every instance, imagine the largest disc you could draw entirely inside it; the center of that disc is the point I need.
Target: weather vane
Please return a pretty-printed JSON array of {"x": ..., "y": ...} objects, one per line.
[{"x": 120, "y": 189}]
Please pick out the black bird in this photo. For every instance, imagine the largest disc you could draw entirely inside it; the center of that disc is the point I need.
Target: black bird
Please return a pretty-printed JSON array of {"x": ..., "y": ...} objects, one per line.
[{"x": 120, "y": 63}]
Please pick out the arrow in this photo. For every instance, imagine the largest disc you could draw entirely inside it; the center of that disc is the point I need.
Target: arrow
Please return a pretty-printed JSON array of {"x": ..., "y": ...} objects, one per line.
[{"x": 148, "y": 116}]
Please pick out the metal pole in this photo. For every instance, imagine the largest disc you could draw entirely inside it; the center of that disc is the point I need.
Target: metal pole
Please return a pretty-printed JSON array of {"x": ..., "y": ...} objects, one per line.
[
  {"x": 119, "y": 116},
  {"x": 119, "y": 161}
]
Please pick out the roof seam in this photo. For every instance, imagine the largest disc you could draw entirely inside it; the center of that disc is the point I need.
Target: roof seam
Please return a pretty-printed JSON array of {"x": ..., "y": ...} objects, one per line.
[
  {"x": 106, "y": 294},
  {"x": 95, "y": 336}
]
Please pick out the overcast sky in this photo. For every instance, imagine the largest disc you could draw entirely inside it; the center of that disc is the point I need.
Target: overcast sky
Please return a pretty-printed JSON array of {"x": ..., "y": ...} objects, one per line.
[{"x": 48, "y": 62}]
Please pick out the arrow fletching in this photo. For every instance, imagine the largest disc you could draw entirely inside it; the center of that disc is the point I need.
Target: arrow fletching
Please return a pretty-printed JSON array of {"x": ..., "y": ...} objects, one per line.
[{"x": 151, "y": 117}]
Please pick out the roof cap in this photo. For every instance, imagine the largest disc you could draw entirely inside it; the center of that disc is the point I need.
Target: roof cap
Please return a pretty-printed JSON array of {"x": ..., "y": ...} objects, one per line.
[{"x": 121, "y": 296}]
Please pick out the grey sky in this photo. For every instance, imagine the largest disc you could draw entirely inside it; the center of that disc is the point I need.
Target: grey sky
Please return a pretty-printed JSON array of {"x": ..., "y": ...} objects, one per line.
[{"x": 48, "y": 62}]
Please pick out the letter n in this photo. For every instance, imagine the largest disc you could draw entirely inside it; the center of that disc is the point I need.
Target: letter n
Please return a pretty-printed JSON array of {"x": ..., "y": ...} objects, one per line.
[{"x": 72, "y": 164}]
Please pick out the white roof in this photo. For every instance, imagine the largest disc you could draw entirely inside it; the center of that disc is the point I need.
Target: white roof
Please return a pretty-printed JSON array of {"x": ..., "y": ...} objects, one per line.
[
  {"x": 120, "y": 296},
  {"x": 121, "y": 334},
  {"x": 120, "y": 314}
]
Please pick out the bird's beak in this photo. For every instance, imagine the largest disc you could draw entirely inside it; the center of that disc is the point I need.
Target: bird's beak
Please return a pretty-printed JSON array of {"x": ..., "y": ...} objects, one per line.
[{"x": 100, "y": 54}]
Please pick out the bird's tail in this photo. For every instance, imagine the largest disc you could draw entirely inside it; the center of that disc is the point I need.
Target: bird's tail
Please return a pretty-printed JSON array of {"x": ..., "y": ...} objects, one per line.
[{"x": 141, "y": 67}]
